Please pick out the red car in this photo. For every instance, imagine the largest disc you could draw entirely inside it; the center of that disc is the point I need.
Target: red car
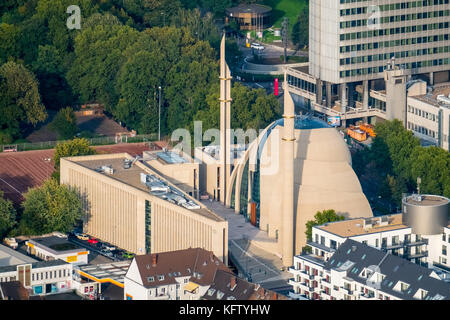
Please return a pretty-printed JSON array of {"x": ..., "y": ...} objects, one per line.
[{"x": 93, "y": 240}]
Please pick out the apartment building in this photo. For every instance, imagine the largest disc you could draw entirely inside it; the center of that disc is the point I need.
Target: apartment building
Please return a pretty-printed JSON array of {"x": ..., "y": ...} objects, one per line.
[
  {"x": 190, "y": 274},
  {"x": 356, "y": 271},
  {"x": 398, "y": 234}
]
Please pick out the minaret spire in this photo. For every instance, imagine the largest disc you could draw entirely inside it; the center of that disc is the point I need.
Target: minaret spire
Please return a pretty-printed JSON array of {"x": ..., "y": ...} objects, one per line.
[
  {"x": 287, "y": 145},
  {"x": 225, "y": 123}
]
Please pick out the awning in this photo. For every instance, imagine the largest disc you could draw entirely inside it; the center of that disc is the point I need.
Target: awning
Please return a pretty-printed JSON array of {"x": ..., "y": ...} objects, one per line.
[{"x": 191, "y": 286}]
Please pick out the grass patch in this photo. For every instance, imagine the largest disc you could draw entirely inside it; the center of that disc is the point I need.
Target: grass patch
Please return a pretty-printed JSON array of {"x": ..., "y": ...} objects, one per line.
[{"x": 285, "y": 8}]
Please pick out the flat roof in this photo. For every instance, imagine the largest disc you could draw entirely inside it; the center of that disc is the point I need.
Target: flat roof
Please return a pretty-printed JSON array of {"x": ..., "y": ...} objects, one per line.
[
  {"x": 132, "y": 177},
  {"x": 439, "y": 89},
  {"x": 355, "y": 227},
  {"x": 115, "y": 271},
  {"x": 11, "y": 257},
  {"x": 56, "y": 244},
  {"x": 426, "y": 200},
  {"x": 250, "y": 8}
]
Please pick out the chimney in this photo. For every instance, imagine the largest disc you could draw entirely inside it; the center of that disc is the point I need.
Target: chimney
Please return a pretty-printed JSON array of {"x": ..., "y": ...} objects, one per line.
[
  {"x": 154, "y": 259},
  {"x": 232, "y": 283},
  {"x": 275, "y": 296}
]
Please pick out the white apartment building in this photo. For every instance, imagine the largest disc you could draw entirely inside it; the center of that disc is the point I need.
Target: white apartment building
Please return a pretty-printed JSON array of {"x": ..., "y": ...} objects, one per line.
[
  {"x": 357, "y": 271},
  {"x": 390, "y": 233},
  {"x": 428, "y": 115},
  {"x": 421, "y": 234},
  {"x": 175, "y": 275}
]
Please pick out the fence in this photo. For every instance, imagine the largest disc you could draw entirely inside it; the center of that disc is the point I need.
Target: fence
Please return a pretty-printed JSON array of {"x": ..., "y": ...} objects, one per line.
[{"x": 27, "y": 146}]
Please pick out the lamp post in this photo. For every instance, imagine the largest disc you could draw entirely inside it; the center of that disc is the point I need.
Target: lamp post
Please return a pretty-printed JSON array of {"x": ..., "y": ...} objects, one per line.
[{"x": 159, "y": 115}]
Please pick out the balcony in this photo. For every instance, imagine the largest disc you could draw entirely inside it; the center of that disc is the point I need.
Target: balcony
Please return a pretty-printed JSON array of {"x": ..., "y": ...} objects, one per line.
[
  {"x": 416, "y": 255},
  {"x": 397, "y": 245},
  {"x": 347, "y": 290},
  {"x": 320, "y": 246},
  {"x": 293, "y": 270},
  {"x": 416, "y": 243},
  {"x": 365, "y": 296},
  {"x": 161, "y": 297},
  {"x": 292, "y": 282}
]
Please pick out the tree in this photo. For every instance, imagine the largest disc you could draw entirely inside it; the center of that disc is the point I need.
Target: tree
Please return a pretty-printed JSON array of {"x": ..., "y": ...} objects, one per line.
[
  {"x": 65, "y": 123},
  {"x": 20, "y": 102},
  {"x": 51, "y": 207},
  {"x": 432, "y": 165},
  {"x": 7, "y": 216},
  {"x": 75, "y": 147},
  {"x": 320, "y": 218},
  {"x": 300, "y": 30}
]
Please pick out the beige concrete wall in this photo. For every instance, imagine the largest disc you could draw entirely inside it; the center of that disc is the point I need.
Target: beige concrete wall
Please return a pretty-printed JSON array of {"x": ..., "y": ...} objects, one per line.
[
  {"x": 323, "y": 179},
  {"x": 116, "y": 214}
]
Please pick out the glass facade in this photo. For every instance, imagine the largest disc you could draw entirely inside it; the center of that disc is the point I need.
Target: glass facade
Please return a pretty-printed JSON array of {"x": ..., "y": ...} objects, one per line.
[{"x": 148, "y": 224}]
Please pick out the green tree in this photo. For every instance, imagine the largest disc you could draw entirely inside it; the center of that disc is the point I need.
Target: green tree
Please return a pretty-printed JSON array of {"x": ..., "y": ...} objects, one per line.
[
  {"x": 99, "y": 55},
  {"x": 300, "y": 30},
  {"x": 65, "y": 123},
  {"x": 321, "y": 217},
  {"x": 72, "y": 148},
  {"x": 7, "y": 216},
  {"x": 432, "y": 165},
  {"x": 20, "y": 102},
  {"x": 51, "y": 207}
]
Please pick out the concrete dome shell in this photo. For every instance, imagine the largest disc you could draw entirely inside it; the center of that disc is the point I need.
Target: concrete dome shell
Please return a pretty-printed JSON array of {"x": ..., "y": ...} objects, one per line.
[{"x": 324, "y": 179}]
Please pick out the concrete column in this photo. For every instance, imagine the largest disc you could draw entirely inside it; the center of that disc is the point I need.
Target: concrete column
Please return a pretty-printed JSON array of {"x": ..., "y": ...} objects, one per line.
[
  {"x": 328, "y": 88},
  {"x": 288, "y": 138},
  {"x": 431, "y": 78},
  {"x": 344, "y": 99},
  {"x": 225, "y": 133},
  {"x": 319, "y": 88},
  {"x": 366, "y": 94}
]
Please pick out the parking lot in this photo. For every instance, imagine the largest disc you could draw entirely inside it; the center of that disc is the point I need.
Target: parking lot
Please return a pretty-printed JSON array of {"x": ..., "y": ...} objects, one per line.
[{"x": 101, "y": 251}]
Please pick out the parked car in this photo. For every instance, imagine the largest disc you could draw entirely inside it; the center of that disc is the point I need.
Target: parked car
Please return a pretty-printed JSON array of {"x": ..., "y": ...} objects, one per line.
[
  {"x": 93, "y": 241},
  {"x": 60, "y": 235},
  {"x": 128, "y": 255},
  {"x": 11, "y": 242},
  {"x": 82, "y": 236},
  {"x": 257, "y": 46}
]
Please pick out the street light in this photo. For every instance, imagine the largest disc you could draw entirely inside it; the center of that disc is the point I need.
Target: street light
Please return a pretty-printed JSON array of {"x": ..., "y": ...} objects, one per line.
[{"x": 159, "y": 113}]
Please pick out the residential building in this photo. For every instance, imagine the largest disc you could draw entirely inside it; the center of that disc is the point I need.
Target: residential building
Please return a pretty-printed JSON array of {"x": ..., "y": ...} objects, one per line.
[
  {"x": 176, "y": 275},
  {"x": 190, "y": 274},
  {"x": 13, "y": 290},
  {"x": 357, "y": 271},
  {"x": 420, "y": 234}
]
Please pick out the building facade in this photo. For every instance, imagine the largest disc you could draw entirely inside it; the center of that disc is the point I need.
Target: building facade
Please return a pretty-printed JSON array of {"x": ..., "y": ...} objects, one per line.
[
  {"x": 137, "y": 209},
  {"x": 353, "y": 42},
  {"x": 357, "y": 271},
  {"x": 423, "y": 239}
]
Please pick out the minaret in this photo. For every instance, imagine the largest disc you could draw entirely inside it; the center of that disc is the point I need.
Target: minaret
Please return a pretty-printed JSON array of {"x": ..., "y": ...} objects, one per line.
[
  {"x": 287, "y": 158},
  {"x": 225, "y": 123}
]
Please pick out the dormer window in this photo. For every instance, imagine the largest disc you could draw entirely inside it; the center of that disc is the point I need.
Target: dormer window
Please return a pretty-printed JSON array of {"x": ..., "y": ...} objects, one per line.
[
  {"x": 151, "y": 279},
  {"x": 160, "y": 277}
]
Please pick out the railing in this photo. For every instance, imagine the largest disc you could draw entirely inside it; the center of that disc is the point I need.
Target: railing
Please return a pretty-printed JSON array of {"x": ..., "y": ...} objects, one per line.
[
  {"x": 416, "y": 255},
  {"x": 27, "y": 146}
]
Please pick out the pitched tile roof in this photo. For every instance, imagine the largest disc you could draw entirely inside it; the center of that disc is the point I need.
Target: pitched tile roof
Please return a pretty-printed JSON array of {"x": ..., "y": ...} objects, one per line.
[
  {"x": 162, "y": 268},
  {"x": 353, "y": 257}
]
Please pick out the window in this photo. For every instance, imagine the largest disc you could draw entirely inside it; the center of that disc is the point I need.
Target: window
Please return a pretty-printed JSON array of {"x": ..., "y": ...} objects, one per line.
[{"x": 444, "y": 250}]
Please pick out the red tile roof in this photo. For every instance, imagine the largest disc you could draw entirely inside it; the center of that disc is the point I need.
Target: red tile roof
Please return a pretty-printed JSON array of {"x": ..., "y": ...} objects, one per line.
[{"x": 28, "y": 169}]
